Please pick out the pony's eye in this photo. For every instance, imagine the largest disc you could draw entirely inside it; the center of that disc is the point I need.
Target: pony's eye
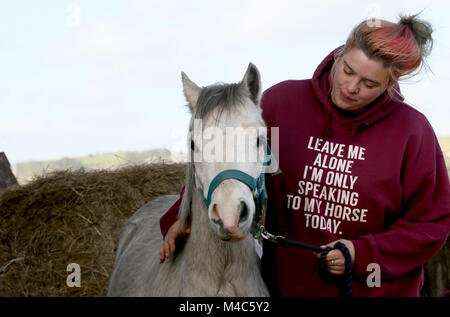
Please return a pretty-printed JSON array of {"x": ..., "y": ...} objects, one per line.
[{"x": 192, "y": 145}]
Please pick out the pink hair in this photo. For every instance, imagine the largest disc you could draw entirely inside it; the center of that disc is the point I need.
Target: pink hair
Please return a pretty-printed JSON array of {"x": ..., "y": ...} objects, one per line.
[{"x": 401, "y": 47}]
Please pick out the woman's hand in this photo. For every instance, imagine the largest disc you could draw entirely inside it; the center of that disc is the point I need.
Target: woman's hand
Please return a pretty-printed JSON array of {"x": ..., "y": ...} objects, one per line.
[
  {"x": 168, "y": 245},
  {"x": 335, "y": 260}
]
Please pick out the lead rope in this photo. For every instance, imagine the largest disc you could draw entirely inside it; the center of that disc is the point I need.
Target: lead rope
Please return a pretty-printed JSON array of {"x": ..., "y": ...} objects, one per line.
[{"x": 344, "y": 282}]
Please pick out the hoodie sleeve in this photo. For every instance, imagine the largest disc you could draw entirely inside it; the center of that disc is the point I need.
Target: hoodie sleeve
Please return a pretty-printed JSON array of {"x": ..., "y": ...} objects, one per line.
[
  {"x": 171, "y": 215},
  {"x": 425, "y": 223}
]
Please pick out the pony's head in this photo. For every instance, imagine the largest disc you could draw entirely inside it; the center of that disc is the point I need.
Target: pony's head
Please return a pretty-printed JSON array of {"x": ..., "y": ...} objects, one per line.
[{"x": 227, "y": 135}]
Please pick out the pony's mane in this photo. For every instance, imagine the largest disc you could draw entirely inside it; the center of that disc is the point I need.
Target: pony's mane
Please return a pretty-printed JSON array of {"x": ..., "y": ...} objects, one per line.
[{"x": 220, "y": 95}]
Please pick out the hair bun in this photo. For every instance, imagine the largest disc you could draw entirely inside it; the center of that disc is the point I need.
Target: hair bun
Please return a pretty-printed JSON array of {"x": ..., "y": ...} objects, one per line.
[{"x": 421, "y": 30}]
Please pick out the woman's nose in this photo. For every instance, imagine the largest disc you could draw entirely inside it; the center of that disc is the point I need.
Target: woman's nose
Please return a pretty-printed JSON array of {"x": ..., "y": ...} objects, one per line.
[{"x": 353, "y": 87}]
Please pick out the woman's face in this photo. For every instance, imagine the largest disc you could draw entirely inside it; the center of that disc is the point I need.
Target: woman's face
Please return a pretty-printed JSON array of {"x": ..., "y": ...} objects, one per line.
[{"x": 358, "y": 81}]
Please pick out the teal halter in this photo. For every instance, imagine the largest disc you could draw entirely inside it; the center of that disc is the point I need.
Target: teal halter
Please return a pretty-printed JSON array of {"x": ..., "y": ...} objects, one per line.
[{"x": 255, "y": 185}]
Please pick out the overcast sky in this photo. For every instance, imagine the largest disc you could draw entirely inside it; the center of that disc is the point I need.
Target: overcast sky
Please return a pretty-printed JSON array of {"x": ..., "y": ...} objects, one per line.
[{"x": 88, "y": 77}]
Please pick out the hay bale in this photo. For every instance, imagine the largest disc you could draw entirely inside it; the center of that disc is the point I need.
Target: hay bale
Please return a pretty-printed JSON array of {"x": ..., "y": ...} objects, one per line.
[
  {"x": 68, "y": 217},
  {"x": 437, "y": 273}
]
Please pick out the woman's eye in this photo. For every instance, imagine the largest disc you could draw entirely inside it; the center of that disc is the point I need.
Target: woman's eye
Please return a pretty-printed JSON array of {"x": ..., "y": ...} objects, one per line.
[{"x": 347, "y": 72}]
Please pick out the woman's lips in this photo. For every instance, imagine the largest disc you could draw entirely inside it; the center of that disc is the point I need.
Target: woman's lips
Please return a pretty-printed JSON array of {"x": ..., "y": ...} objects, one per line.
[{"x": 345, "y": 97}]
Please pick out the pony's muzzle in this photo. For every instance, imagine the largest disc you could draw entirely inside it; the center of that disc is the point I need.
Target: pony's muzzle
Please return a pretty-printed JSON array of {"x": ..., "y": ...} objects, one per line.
[{"x": 231, "y": 222}]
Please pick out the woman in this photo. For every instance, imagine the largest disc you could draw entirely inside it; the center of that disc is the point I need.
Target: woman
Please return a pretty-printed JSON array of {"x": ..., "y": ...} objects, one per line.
[{"x": 359, "y": 166}]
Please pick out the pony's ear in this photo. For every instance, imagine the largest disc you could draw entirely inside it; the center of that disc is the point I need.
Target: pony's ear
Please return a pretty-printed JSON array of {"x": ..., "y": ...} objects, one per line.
[
  {"x": 252, "y": 82},
  {"x": 191, "y": 91}
]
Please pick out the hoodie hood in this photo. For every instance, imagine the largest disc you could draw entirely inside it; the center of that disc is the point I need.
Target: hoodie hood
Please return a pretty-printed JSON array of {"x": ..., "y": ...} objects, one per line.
[{"x": 375, "y": 111}]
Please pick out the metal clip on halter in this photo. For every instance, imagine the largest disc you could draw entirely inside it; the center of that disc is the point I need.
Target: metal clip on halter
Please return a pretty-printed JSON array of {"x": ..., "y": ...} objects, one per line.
[{"x": 268, "y": 236}]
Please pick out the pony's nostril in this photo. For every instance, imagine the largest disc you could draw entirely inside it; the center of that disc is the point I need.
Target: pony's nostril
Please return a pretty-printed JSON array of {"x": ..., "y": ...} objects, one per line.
[
  {"x": 243, "y": 212},
  {"x": 214, "y": 213}
]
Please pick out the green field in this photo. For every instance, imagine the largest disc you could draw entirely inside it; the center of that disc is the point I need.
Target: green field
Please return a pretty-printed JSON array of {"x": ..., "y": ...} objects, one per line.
[
  {"x": 26, "y": 171},
  {"x": 445, "y": 146}
]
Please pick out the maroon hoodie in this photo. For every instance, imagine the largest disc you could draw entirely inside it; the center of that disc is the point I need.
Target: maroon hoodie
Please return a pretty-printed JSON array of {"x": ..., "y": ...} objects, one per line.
[{"x": 377, "y": 178}]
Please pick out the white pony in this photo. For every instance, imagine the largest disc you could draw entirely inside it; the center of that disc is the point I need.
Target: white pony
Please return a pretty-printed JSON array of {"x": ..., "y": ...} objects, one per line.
[{"x": 219, "y": 256}]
